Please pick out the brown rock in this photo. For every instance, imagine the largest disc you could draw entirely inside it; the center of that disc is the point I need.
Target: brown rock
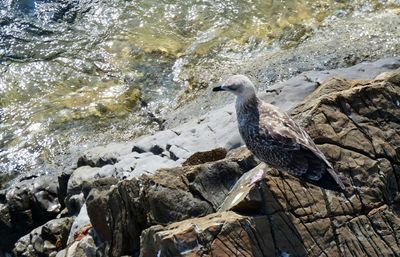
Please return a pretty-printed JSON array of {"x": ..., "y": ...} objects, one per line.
[
  {"x": 207, "y": 156},
  {"x": 390, "y": 76},
  {"x": 120, "y": 214},
  {"x": 222, "y": 234}
]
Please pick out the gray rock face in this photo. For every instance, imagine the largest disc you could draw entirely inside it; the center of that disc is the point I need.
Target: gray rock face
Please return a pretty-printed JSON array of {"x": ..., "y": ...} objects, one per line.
[
  {"x": 103, "y": 155},
  {"x": 45, "y": 240},
  {"x": 26, "y": 205}
]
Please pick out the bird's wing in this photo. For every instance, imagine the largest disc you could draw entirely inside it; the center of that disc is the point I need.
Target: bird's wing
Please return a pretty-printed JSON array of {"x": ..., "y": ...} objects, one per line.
[
  {"x": 285, "y": 131},
  {"x": 287, "y": 134}
]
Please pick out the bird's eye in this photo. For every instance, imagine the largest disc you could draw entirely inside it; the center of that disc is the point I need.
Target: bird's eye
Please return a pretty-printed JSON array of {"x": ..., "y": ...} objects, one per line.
[{"x": 233, "y": 87}]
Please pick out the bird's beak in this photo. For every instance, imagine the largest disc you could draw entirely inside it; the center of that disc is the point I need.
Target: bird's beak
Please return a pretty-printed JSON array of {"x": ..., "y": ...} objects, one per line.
[{"x": 219, "y": 88}]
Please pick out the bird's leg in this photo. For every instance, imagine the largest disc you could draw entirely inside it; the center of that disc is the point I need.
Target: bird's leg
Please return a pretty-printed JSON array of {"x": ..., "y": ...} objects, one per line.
[{"x": 259, "y": 176}]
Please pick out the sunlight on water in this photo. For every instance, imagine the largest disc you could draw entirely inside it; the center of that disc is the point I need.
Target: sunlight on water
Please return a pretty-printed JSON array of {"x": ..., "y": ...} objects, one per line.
[{"x": 80, "y": 72}]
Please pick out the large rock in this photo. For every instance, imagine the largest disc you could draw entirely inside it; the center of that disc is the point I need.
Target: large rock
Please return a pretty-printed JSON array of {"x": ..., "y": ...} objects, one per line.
[
  {"x": 120, "y": 213},
  {"x": 25, "y": 206},
  {"x": 356, "y": 124},
  {"x": 222, "y": 234},
  {"x": 45, "y": 240}
]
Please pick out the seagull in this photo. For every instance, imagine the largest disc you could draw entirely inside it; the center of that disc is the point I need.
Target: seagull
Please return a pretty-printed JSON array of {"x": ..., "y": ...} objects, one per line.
[{"x": 274, "y": 138}]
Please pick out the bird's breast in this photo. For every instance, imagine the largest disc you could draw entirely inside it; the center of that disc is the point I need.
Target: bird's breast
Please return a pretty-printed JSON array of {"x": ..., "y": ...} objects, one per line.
[{"x": 248, "y": 130}]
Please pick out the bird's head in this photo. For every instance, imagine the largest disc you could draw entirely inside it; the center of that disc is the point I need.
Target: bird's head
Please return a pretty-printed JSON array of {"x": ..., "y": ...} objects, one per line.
[{"x": 240, "y": 85}]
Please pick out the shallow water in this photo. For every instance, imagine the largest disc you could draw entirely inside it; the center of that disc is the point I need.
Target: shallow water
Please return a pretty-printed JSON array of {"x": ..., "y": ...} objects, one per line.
[{"x": 75, "y": 73}]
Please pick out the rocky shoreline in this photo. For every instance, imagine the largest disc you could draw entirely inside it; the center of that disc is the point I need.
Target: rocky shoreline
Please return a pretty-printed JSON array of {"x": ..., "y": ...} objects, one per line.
[{"x": 184, "y": 191}]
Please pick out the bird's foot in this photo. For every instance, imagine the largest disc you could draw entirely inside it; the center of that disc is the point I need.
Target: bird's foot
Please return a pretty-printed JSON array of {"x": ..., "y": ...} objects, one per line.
[{"x": 258, "y": 177}]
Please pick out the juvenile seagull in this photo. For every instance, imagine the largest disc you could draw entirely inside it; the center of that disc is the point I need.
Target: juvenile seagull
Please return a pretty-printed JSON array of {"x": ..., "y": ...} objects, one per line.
[{"x": 273, "y": 137}]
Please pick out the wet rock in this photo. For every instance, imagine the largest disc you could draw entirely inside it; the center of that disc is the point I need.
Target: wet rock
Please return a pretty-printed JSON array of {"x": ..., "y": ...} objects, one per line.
[
  {"x": 26, "y": 205},
  {"x": 45, "y": 240},
  {"x": 215, "y": 131},
  {"x": 358, "y": 130}
]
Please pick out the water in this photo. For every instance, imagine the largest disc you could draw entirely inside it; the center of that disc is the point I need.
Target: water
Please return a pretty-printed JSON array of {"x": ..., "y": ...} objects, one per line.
[{"x": 76, "y": 73}]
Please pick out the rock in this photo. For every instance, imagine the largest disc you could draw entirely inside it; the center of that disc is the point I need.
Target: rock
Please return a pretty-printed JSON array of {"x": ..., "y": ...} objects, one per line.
[
  {"x": 74, "y": 203},
  {"x": 124, "y": 212},
  {"x": 357, "y": 128},
  {"x": 126, "y": 166},
  {"x": 244, "y": 197},
  {"x": 26, "y": 205},
  {"x": 85, "y": 247},
  {"x": 222, "y": 234},
  {"x": 390, "y": 76},
  {"x": 63, "y": 187},
  {"x": 136, "y": 164},
  {"x": 120, "y": 214},
  {"x": 207, "y": 156},
  {"x": 103, "y": 155},
  {"x": 155, "y": 144},
  {"x": 98, "y": 200},
  {"x": 81, "y": 222},
  {"x": 150, "y": 164},
  {"x": 45, "y": 240},
  {"x": 4, "y": 179},
  {"x": 214, "y": 182},
  {"x": 98, "y": 184},
  {"x": 87, "y": 174}
]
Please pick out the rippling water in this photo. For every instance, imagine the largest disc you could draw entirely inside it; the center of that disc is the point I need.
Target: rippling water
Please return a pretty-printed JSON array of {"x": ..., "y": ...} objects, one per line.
[{"x": 74, "y": 73}]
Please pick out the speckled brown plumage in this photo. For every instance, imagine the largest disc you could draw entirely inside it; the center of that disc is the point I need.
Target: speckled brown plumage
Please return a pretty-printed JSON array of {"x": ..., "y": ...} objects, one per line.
[{"x": 273, "y": 137}]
